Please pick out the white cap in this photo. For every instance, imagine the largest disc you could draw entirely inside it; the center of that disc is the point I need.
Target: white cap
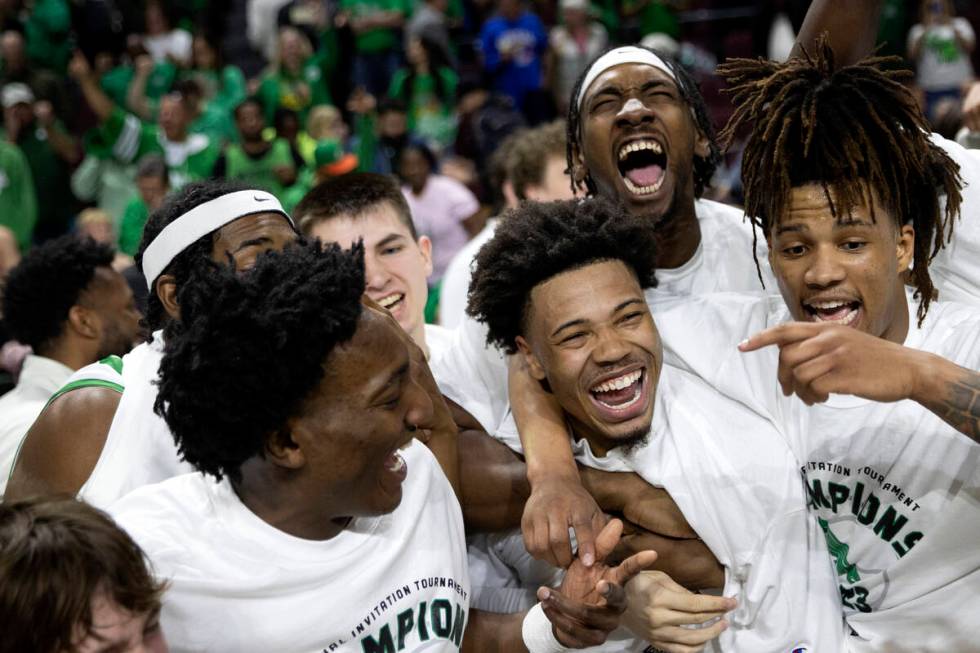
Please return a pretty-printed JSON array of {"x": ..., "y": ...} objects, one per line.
[{"x": 16, "y": 93}]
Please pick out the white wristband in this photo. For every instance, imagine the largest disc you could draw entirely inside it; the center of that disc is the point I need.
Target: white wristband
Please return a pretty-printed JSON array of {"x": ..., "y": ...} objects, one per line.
[{"x": 537, "y": 633}]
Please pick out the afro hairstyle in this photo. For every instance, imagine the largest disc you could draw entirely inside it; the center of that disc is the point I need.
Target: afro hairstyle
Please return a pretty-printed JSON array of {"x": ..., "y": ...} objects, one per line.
[
  {"x": 44, "y": 286},
  {"x": 252, "y": 348},
  {"x": 538, "y": 241}
]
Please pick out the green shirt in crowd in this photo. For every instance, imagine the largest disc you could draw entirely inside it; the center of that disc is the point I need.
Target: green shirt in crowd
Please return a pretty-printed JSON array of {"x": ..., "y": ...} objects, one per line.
[
  {"x": 131, "y": 227},
  {"x": 431, "y": 114},
  {"x": 131, "y": 139},
  {"x": 379, "y": 39},
  {"x": 257, "y": 170},
  {"x": 18, "y": 201},
  {"x": 52, "y": 182},
  {"x": 281, "y": 89},
  {"x": 116, "y": 82}
]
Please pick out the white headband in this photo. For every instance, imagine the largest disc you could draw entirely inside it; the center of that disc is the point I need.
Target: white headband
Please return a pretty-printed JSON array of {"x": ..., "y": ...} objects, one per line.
[
  {"x": 200, "y": 221},
  {"x": 625, "y": 54}
]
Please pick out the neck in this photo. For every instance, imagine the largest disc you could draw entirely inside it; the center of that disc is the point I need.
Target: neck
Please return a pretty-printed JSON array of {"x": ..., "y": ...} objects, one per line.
[
  {"x": 253, "y": 144},
  {"x": 418, "y": 335},
  {"x": 273, "y": 495},
  {"x": 678, "y": 237},
  {"x": 599, "y": 444},
  {"x": 898, "y": 330},
  {"x": 69, "y": 354}
]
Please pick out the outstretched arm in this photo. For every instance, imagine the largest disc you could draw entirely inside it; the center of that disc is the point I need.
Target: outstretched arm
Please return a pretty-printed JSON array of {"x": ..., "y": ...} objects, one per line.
[
  {"x": 100, "y": 103},
  {"x": 816, "y": 360},
  {"x": 852, "y": 30}
]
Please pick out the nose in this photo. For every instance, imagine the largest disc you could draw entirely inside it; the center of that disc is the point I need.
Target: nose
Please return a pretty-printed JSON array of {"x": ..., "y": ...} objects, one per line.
[
  {"x": 376, "y": 276},
  {"x": 825, "y": 269},
  {"x": 633, "y": 111},
  {"x": 610, "y": 347},
  {"x": 420, "y": 413}
]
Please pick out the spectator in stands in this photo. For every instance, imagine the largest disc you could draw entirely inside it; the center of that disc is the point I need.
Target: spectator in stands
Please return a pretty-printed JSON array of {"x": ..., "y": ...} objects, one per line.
[
  {"x": 18, "y": 199},
  {"x": 15, "y": 68},
  {"x": 50, "y": 153},
  {"x": 162, "y": 40},
  {"x": 222, "y": 86},
  {"x": 254, "y": 160},
  {"x": 153, "y": 184},
  {"x": 379, "y": 137},
  {"x": 376, "y": 25},
  {"x": 189, "y": 156},
  {"x": 296, "y": 80},
  {"x": 428, "y": 87},
  {"x": 288, "y": 127},
  {"x": 66, "y": 302},
  {"x": 139, "y": 82},
  {"x": 430, "y": 21},
  {"x": 72, "y": 580},
  {"x": 97, "y": 225},
  {"x": 655, "y": 16},
  {"x": 442, "y": 208},
  {"x": 9, "y": 253},
  {"x": 571, "y": 46},
  {"x": 514, "y": 42},
  {"x": 940, "y": 46}
]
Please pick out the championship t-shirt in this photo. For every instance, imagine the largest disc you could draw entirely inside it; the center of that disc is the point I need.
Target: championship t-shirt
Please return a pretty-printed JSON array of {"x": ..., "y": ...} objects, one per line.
[
  {"x": 894, "y": 488},
  {"x": 392, "y": 583}
]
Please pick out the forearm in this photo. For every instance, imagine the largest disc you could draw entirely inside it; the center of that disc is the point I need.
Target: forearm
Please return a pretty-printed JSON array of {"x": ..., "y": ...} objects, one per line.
[
  {"x": 493, "y": 483},
  {"x": 97, "y": 100},
  {"x": 541, "y": 426},
  {"x": 489, "y": 632},
  {"x": 951, "y": 392},
  {"x": 136, "y": 97},
  {"x": 851, "y": 33},
  {"x": 63, "y": 144}
]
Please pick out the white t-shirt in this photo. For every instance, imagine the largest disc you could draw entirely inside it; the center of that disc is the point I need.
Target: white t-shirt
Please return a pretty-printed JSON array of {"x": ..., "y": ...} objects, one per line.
[
  {"x": 39, "y": 378},
  {"x": 942, "y": 64},
  {"x": 456, "y": 281},
  {"x": 896, "y": 488},
  {"x": 956, "y": 269},
  {"x": 395, "y": 582},
  {"x": 139, "y": 448},
  {"x": 739, "y": 486}
]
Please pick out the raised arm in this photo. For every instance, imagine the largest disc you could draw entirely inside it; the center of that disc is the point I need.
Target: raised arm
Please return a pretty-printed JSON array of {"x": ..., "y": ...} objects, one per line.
[
  {"x": 852, "y": 30},
  {"x": 100, "y": 103}
]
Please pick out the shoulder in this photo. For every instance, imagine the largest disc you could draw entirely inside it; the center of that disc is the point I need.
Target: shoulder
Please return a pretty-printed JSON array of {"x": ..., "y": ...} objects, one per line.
[
  {"x": 166, "y": 515},
  {"x": 438, "y": 339},
  {"x": 952, "y": 330}
]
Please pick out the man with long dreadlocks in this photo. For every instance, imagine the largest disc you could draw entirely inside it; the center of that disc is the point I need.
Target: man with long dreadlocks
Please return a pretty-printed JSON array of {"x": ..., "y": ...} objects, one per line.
[{"x": 848, "y": 190}]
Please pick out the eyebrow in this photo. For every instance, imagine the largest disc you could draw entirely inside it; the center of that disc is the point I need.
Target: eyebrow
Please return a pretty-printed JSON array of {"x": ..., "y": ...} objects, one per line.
[
  {"x": 579, "y": 321},
  {"x": 390, "y": 238},
  {"x": 262, "y": 240},
  {"x": 798, "y": 227},
  {"x": 395, "y": 378}
]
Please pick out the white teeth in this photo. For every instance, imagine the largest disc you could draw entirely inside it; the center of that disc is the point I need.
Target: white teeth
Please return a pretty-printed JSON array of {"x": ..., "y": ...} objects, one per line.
[
  {"x": 643, "y": 190},
  {"x": 397, "y": 465},
  {"x": 636, "y": 398},
  {"x": 636, "y": 146},
  {"x": 827, "y": 305},
  {"x": 387, "y": 301},
  {"x": 619, "y": 383},
  {"x": 846, "y": 320}
]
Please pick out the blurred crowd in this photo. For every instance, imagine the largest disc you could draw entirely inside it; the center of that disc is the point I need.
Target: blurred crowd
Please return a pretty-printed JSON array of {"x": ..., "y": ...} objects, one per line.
[{"x": 110, "y": 105}]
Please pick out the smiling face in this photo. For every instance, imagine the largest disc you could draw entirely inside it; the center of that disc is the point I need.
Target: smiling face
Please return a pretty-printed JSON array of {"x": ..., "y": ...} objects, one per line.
[
  {"x": 591, "y": 336},
  {"x": 396, "y": 265},
  {"x": 638, "y": 140},
  {"x": 847, "y": 271},
  {"x": 363, "y": 411}
]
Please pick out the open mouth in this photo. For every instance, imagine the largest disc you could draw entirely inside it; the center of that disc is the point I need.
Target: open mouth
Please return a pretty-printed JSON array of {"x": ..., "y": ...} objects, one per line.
[
  {"x": 396, "y": 465},
  {"x": 836, "y": 311},
  {"x": 642, "y": 164},
  {"x": 622, "y": 397},
  {"x": 389, "y": 302}
]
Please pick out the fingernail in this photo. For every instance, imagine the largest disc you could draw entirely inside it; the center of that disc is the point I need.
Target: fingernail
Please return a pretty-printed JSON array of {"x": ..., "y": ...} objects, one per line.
[
  {"x": 544, "y": 594},
  {"x": 588, "y": 559},
  {"x": 724, "y": 624},
  {"x": 743, "y": 343},
  {"x": 604, "y": 590}
]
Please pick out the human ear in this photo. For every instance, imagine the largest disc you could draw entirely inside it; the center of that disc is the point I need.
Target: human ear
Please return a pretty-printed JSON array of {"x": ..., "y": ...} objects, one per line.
[
  {"x": 84, "y": 322},
  {"x": 425, "y": 246},
  {"x": 284, "y": 448},
  {"x": 905, "y": 247},
  {"x": 166, "y": 290},
  {"x": 702, "y": 146},
  {"x": 534, "y": 366}
]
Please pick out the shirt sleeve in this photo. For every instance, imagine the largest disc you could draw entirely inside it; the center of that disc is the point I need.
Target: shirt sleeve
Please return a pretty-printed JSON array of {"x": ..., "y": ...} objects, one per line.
[{"x": 464, "y": 202}]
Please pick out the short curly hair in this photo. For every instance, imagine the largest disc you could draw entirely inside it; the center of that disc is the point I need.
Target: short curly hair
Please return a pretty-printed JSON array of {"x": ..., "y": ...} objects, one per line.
[
  {"x": 252, "y": 348},
  {"x": 538, "y": 241},
  {"x": 44, "y": 286},
  {"x": 176, "y": 205}
]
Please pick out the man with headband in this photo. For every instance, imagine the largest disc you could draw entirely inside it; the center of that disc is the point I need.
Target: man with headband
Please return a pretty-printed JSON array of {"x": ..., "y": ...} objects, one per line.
[{"x": 98, "y": 436}]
